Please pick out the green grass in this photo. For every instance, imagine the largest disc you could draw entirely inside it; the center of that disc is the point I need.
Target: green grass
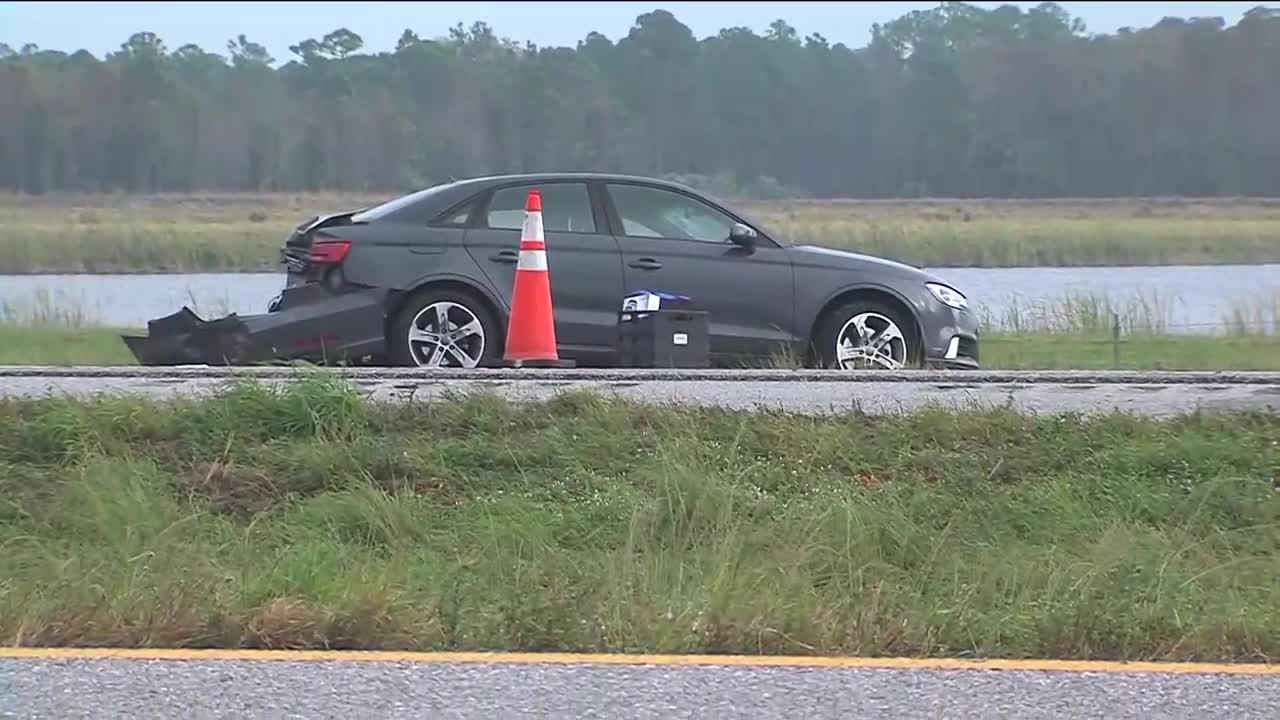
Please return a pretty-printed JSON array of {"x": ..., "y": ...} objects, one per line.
[
  {"x": 60, "y": 345},
  {"x": 168, "y": 233},
  {"x": 307, "y": 518},
  {"x": 1062, "y": 351}
]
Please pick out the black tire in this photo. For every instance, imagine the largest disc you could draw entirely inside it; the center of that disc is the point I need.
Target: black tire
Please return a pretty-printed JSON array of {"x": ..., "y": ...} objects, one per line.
[
  {"x": 398, "y": 348},
  {"x": 823, "y": 350}
]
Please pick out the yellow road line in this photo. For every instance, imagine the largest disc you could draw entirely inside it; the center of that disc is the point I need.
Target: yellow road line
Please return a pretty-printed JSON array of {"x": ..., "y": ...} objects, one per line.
[{"x": 626, "y": 659}]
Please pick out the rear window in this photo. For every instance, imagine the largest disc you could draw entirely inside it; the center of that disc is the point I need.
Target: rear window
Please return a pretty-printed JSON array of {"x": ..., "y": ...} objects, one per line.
[{"x": 378, "y": 212}]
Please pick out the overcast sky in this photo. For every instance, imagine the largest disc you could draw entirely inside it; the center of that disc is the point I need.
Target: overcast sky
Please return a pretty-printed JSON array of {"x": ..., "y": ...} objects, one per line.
[{"x": 101, "y": 27}]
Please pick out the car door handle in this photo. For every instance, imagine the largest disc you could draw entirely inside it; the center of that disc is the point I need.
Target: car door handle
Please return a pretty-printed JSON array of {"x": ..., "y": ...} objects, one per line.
[
  {"x": 645, "y": 264},
  {"x": 510, "y": 257}
]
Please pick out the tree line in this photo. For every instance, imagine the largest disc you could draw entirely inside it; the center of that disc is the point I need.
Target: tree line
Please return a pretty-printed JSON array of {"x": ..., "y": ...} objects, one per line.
[{"x": 954, "y": 101}]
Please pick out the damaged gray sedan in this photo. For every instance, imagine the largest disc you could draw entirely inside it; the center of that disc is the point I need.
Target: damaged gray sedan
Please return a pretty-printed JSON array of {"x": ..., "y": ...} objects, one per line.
[{"x": 426, "y": 280}]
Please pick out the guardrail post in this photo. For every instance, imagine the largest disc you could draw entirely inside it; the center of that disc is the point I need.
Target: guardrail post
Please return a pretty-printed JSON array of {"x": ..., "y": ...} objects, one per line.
[{"x": 1115, "y": 340}]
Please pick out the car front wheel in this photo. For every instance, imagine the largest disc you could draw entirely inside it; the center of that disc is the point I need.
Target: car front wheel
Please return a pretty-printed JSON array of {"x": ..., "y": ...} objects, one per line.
[
  {"x": 866, "y": 335},
  {"x": 443, "y": 328}
]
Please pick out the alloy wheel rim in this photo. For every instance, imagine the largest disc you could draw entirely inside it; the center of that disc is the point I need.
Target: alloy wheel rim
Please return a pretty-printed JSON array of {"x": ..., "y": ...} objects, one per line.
[
  {"x": 446, "y": 334},
  {"x": 870, "y": 340}
]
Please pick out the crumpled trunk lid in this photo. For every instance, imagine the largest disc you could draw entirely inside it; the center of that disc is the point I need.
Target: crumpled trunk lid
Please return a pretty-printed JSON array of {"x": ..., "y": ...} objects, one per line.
[{"x": 297, "y": 247}]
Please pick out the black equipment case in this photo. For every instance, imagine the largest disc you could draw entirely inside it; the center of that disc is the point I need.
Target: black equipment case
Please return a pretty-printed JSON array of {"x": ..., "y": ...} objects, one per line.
[{"x": 676, "y": 335}]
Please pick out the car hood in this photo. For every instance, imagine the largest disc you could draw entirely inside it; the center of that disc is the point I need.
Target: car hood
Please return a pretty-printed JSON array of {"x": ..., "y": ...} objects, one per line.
[{"x": 827, "y": 257}]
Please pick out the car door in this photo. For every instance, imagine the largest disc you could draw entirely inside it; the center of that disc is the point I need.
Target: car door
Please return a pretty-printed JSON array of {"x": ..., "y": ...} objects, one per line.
[
  {"x": 582, "y": 257},
  {"x": 674, "y": 242}
]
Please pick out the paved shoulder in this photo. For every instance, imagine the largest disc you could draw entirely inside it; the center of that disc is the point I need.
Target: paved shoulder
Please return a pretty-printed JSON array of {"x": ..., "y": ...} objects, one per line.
[
  {"x": 1154, "y": 394},
  {"x": 246, "y": 688}
]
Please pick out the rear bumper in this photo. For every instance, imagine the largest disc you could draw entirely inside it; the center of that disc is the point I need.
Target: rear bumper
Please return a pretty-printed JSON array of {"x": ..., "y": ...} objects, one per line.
[{"x": 306, "y": 323}]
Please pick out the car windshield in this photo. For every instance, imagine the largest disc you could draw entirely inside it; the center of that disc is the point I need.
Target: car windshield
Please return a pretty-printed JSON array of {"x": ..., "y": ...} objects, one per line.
[{"x": 379, "y": 211}]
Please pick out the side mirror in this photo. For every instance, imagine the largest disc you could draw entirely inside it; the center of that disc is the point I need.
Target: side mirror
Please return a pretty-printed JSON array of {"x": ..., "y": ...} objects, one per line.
[{"x": 742, "y": 235}]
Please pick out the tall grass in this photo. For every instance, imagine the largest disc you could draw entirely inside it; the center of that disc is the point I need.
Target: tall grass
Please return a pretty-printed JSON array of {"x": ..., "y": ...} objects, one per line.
[
  {"x": 1262, "y": 316},
  {"x": 1083, "y": 313},
  {"x": 1087, "y": 331},
  {"x": 41, "y": 310},
  {"x": 71, "y": 233},
  {"x": 1141, "y": 313},
  {"x": 304, "y": 517}
]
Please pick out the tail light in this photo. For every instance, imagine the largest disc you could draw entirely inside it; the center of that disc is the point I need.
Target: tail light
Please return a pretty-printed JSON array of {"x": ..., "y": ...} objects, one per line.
[{"x": 329, "y": 252}]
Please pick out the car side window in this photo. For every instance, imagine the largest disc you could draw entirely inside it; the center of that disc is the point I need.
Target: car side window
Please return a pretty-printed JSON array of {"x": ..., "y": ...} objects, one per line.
[
  {"x": 566, "y": 207},
  {"x": 457, "y": 218},
  {"x": 657, "y": 213}
]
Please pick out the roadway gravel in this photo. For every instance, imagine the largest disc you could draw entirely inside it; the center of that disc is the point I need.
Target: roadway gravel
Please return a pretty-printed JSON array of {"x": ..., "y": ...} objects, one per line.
[
  {"x": 63, "y": 689},
  {"x": 1155, "y": 394}
]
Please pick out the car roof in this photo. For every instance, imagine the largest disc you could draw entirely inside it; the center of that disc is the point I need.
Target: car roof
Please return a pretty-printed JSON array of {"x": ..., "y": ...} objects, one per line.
[
  {"x": 489, "y": 180},
  {"x": 472, "y": 185},
  {"x": 447, "y": 194}
]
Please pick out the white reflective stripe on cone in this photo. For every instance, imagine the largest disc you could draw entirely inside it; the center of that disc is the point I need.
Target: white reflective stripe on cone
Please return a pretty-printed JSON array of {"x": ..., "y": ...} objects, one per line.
[
  {"x": 532, "y": 226},
  {"x": 532, "y": 260}
]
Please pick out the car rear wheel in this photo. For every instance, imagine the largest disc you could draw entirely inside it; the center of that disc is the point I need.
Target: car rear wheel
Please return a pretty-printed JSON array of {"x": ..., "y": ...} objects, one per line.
[
  {"x": 866, "y": 335},
  {"x": 444, "y": 328}
]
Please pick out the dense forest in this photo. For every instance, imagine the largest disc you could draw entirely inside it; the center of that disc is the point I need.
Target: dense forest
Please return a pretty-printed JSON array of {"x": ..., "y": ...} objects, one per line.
[{"x": 956, "y": 101}]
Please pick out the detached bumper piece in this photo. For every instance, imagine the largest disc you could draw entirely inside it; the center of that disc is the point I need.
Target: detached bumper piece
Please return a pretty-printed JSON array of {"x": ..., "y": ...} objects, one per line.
[
  {"x": 338, "y": 328},
  {"x": 183, "y": 338}
]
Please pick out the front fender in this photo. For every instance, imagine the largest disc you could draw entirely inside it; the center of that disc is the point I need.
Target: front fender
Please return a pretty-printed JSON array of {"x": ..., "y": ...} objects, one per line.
[{"x": 916, "y": 306}]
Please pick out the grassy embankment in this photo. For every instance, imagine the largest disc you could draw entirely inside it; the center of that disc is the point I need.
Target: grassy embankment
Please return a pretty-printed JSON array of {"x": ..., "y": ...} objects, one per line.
[
  {"x": 1074, "y": 333},
  {"x": 108, "y": 233},
  {"x": 306, "y": 518}
]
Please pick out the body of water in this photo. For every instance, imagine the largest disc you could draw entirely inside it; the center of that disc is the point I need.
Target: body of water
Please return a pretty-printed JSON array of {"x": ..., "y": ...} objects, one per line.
[{"x": 1189, "y": 297}]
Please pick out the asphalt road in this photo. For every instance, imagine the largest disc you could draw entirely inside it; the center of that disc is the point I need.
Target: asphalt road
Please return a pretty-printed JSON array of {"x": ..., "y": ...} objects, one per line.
[
  {"x": 1156, "y": 394},
  {"x": 171, "y": 688}
]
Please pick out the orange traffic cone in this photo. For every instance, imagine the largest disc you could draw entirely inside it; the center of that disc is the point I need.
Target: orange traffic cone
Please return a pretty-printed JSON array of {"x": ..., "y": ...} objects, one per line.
[{"x": 531, "y": 333}]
